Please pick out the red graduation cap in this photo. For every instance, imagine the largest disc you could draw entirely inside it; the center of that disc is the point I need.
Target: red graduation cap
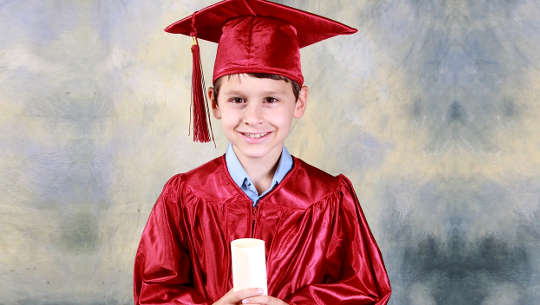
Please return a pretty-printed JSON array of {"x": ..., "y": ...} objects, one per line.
[{"x": 253, "y": 36}]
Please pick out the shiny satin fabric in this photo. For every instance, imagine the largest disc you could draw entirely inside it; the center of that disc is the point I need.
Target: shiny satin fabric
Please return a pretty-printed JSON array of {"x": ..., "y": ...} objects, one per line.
[
  {"x": 319, "y": 247},
  {"x": 258, "y": 45}
]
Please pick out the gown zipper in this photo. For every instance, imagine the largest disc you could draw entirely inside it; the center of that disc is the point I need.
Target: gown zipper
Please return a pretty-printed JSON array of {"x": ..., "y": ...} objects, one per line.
[{"x": 253, "y": 220}]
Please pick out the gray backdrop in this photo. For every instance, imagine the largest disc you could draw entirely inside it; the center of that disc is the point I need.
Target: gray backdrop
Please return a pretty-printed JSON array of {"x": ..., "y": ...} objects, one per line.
[{"x": 431, "y": 109}]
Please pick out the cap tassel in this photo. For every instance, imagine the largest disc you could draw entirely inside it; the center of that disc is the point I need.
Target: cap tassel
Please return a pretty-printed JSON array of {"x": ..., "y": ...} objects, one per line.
[{"x": 202, "y": 125}]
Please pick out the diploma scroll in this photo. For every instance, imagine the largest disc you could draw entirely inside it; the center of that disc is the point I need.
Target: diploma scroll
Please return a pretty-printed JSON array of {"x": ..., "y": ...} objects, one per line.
[{"x": 248, "y": 264}]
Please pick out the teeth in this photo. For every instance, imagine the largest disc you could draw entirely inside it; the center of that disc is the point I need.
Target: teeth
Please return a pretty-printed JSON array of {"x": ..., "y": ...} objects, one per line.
[{"x": 255, "y": 135}]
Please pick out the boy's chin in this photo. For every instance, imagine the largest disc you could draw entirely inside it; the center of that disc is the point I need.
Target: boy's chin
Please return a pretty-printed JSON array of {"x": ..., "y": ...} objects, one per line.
[{"x": 257, "y": 151}]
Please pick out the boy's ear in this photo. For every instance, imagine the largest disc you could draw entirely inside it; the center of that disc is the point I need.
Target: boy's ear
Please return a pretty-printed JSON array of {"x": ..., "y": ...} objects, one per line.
[
  {"x": 301, "y": 102},
  {"x": 213, "y": 99}
]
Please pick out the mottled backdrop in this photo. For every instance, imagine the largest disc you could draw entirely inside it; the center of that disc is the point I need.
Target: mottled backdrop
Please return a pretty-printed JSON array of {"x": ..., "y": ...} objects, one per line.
[{"x": 432, "y": 109}]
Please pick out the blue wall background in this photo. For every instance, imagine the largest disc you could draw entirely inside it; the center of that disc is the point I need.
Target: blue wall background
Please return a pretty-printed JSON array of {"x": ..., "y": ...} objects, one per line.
[{"x": 431, "y": 109}]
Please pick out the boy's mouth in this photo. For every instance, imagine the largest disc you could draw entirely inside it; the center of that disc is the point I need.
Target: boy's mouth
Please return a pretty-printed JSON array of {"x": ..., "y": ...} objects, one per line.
[{"x": 254, "y": 135}]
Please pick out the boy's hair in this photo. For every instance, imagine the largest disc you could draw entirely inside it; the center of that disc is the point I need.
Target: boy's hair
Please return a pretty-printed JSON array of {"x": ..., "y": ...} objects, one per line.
[{"x": 295, "y": 85}]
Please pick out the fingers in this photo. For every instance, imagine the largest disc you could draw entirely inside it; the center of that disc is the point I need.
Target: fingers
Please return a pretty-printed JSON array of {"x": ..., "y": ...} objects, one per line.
[
  {"x": 246, "y": 293},
  {"x": 263, "y": 300},
  {"x": 234, "y": 297}
]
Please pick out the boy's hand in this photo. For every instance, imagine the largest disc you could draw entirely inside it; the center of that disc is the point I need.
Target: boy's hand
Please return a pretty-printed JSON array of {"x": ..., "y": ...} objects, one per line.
[
  {"x": 263, "y": 300},
  {"x": 234, "y": 298},
  {"x": 248, "y": 296}
]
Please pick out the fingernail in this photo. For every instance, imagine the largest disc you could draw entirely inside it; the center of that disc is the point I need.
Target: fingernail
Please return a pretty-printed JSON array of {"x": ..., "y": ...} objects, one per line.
[
  {"x": 260, "y": 291},
  {"x": 244, "y": 301}
]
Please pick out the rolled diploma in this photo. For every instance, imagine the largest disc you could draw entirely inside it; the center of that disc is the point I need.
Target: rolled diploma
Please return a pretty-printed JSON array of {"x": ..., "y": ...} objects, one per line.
[{"x": 248, "y": 264}]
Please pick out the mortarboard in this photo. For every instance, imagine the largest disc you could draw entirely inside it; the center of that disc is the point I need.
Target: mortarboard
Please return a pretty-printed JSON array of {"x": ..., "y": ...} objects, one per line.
[{"x": 253, "y": 36}]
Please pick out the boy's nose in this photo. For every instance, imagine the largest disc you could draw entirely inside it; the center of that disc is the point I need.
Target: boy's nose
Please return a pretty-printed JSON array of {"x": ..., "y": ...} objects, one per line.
[{"x": 253, "y": 114}]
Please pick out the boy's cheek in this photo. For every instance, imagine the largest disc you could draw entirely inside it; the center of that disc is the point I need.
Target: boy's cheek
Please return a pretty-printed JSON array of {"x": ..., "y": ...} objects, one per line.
[
  {"x": 228, "y": 123},
  {"x": 231, "y": 114}
]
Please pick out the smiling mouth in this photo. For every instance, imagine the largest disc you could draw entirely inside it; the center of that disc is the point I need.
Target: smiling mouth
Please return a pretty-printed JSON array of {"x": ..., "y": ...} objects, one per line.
[{"x": 254, "y": 135}]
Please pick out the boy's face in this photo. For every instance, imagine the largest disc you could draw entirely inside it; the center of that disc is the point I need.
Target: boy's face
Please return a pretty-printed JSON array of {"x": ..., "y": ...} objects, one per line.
[{"x": 256, "y": 113}]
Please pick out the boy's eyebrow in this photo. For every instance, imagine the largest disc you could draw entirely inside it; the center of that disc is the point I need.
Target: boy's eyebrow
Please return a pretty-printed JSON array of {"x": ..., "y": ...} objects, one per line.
[
  {"x": 265, "y": 92},
  {"x": 270, "y": 92},
  {"x": 233, "y": 92}
]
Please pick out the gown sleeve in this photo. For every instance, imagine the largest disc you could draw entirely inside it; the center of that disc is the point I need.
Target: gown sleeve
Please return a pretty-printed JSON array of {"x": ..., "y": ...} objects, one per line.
[
  {"x": 355, "y": 268},
  {"x": 163, "y": 271}
]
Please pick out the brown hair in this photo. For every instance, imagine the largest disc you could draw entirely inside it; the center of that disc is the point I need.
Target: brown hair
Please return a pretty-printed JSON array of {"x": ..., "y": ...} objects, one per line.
[{"x": 295, "y": 86}]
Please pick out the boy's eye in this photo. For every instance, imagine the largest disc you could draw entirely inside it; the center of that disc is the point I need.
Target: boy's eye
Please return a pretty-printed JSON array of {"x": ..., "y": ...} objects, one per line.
[
  {"x": 238, "y": 100},
  {"x": 271, "y": 100}
]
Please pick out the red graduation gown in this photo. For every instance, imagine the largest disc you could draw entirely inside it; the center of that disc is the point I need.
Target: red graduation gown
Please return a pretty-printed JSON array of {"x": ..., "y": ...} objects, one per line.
[{"x": 319, "y": 248}]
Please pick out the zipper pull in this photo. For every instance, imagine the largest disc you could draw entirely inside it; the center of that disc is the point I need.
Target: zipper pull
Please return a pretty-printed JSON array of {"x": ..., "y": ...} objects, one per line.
[{"x": 253, "y": 219}]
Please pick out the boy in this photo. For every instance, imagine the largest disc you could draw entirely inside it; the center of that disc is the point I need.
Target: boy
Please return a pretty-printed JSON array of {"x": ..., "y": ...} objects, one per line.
[{"x": 319, "y": 248}]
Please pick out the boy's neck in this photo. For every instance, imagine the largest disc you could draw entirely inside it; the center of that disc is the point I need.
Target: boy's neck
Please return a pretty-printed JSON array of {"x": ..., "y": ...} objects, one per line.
[{"x": 261, "y": 170}]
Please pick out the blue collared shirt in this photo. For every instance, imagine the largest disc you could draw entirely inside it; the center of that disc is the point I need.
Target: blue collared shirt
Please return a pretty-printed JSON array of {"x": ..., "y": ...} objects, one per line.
[{"x": 241, "y": 178}]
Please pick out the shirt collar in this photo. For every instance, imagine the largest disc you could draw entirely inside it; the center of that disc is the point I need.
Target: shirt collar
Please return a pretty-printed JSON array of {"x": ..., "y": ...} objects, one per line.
[
  {"x": 284, "y": 166},
  {"x": 239, "y": 175}
]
